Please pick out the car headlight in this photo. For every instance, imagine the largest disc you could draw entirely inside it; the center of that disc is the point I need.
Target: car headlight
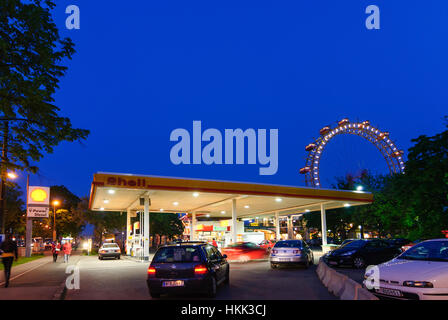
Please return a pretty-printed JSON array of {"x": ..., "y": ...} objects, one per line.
[
  {"x": 418, "y": 284},
  {"x": 348, "y": 253}
]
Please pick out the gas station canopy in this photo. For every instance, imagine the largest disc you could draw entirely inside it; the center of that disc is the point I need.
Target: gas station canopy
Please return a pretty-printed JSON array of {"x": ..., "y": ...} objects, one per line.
[{"x": 122, "y": 192}]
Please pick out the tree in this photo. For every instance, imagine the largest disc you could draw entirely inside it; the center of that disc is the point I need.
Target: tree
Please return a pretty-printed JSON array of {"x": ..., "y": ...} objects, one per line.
[
  {"x": 31, "y": 56},
  {"x": 31, "y": 65},
  {"x": 69, "y": 220},
  {"x": 165, "y": 224},
  {"x": 423, "y": 189},
  {"x": 15, "y": 209}
]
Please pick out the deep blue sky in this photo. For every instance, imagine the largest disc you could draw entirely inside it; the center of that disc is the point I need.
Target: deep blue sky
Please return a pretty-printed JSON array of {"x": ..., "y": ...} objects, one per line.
[{"x": 144, "y": 68}]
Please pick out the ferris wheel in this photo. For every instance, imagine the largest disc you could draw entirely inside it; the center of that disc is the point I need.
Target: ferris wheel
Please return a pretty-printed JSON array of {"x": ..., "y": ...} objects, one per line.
[{"x": 380, "y": 139}]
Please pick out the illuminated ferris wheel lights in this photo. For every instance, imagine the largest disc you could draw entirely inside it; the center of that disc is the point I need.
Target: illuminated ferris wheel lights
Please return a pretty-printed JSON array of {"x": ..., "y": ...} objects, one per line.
[{"x": 364, "y": 130}]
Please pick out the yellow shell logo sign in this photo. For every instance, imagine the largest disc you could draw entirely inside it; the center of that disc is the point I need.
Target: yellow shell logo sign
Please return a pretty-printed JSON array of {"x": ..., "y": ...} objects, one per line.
[{"x": 39, "y": 195}]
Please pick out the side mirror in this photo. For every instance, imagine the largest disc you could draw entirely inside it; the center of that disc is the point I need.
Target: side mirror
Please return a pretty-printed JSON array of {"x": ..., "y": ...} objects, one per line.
[{"x": 224, "y": 256}]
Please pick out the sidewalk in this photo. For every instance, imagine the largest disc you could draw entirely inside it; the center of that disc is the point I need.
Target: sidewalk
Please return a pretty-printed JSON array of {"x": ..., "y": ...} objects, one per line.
[
  {"x": 25, "y": 267},
  {"x": 36, "y": 280}
]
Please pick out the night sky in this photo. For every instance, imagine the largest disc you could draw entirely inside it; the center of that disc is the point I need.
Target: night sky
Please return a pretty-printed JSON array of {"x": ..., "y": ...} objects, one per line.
[{"x": 145, "y": 68}]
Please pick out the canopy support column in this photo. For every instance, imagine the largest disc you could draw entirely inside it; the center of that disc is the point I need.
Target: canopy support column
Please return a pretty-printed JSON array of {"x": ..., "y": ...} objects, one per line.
[
  {"x": 233, "y": 220},
  {"x": 193, "y": 227},
  {"x": 128, "y": 231},
  {"x": 277, "y": 226},
  {"x": 323, "y": 218},
  {"x": 146, "y": 231}
]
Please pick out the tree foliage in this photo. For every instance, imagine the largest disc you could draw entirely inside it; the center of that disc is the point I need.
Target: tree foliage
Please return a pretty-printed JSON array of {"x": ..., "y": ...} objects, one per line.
[
  {"x": 31, "y": 64},
  {"x": 166, "y": 224}
]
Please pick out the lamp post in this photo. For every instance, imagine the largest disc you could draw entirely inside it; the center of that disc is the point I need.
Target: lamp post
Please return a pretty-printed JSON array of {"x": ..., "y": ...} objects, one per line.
[{"x": 54, "y": 203}]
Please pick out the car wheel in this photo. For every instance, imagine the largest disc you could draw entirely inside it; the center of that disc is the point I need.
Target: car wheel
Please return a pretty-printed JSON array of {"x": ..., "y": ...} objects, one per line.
[
  {"x": 118, "y": 257},
  {"x": 154, "y": 295},
  {"x": 273, "y": 266},
  {"x": 312, "y": 260},
  {"x": 212, "y": 289},
  {"x": 359, "y": 262}
]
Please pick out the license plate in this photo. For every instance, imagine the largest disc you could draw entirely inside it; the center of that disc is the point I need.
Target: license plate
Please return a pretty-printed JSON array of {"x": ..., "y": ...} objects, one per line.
[
  {"x": 284, "y": 259},
  {"x": 177, "y": 283},
  {"x": 332, "y": 263},
  {"x": 389, "y": 292}
]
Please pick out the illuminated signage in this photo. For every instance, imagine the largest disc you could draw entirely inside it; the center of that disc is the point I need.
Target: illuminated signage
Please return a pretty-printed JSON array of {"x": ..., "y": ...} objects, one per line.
[{"x": 38, "y": 201}]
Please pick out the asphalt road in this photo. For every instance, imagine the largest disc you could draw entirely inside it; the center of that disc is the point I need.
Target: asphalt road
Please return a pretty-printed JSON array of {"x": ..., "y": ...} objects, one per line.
[{"x": 125, "y": 279}]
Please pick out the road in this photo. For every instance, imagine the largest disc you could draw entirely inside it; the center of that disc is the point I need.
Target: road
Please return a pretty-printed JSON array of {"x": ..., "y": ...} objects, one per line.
[{"x": 125, "y": 279}]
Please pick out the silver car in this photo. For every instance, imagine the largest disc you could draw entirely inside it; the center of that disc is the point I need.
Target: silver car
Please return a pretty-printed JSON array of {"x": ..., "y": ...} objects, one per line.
[
  {"x": 109, "y": 250},
  {"x": 291, "y": 252}
]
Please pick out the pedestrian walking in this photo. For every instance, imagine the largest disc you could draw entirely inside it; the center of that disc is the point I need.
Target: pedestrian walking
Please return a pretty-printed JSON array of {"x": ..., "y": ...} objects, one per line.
[
  {"x": 8, "y": 249},
  {"x": 67, "y": 249},
  {"x": 55, "y": 249}
]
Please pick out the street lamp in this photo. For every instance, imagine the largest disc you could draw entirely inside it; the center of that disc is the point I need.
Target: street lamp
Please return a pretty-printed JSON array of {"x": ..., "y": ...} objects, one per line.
[
  {"x": 359, "y": 188},
  {"x": 54, "y": 203}
]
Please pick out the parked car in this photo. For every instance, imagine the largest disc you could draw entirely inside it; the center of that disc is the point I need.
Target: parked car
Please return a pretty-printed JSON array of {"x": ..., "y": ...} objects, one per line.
[
  {"x": 410, "y": 244},
  {"x": 362, "y": 252},
  {"x": 398, "y": 242},
  {"x": 420, "y": 273},
  {"x": 109, "y": 250},
  {"x": 244, "y": 252},
  {"x": 187, "y": 268},
  {"x": 291, "y": 252},
  {"x": 346, "y": 241}
]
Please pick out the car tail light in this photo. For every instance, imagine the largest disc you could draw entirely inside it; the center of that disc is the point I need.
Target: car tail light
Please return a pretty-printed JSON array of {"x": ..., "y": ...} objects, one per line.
[
  {"x": 200, "y": 269},
  {"x": 151, "y": 271},
  {"x": 274, "y": 251},
  {"x": 297, "y": 251}
]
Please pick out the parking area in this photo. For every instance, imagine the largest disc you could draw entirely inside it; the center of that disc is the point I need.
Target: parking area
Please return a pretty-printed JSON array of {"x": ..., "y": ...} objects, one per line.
[{"x": 125, "y": 279}]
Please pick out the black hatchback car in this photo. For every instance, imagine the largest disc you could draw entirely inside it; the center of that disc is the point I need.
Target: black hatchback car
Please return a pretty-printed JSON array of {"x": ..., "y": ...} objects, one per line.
[
  {"x": 188, "y": 267},
  {"x": 363, "y": 252}
]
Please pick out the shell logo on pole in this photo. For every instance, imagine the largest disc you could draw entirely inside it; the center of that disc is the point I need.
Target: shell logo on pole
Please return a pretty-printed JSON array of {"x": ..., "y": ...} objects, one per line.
[
  {"x": 39, "y": 195},
  {"x": 38, "y": 202}
]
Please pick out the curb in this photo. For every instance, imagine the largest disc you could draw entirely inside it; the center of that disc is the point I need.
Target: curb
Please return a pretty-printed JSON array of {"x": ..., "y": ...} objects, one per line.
[{"x": 340, "y": 285}]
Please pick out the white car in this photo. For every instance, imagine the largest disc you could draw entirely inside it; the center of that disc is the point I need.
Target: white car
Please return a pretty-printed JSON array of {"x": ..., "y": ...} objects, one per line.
[{"x": 420, "y": 273}]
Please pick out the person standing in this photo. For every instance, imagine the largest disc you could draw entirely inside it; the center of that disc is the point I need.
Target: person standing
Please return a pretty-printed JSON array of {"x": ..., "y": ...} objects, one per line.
[
  {"x": 214, "y": 243},
  {"x": 55, "y": 249},
  {"x": 8, "y": 248},
  {"x": 67, "y": 249}
]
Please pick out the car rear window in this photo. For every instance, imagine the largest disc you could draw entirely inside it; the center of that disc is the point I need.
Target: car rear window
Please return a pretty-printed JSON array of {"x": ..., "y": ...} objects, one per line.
[
  {"x": 177, "y": 254},
  {"x": 288, "y": 244}
]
